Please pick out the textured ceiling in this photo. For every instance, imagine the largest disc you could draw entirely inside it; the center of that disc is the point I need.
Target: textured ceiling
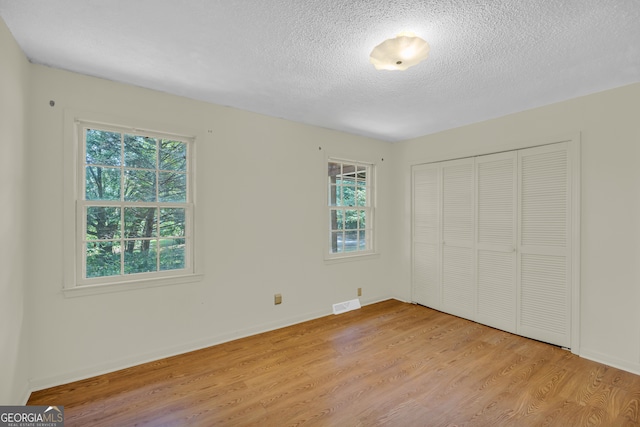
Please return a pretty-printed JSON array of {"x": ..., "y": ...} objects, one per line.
[{"x": 307, "y": 61}]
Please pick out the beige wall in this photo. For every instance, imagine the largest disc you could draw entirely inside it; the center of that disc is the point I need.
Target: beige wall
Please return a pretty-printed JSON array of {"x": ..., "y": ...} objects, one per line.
[
  {"x": 262, "y": 197},
  {"x": 14, "y": 75},
  {"x": 609, "y": 125}
]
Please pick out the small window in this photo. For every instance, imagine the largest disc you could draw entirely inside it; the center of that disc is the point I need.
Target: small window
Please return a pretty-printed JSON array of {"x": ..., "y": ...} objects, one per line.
[
  {"x": 350, "y": 207},
  {"x": 134, "y": 205}
]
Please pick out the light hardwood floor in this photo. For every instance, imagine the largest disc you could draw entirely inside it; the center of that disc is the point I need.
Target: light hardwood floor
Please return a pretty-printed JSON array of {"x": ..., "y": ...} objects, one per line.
[{"x": 390, "y": 363}]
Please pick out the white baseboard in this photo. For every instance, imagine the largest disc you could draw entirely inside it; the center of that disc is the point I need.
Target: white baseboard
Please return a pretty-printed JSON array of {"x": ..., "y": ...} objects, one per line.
[
  {"x": 138, "y": 359},
  {"x": 605, "y": 359},
  {"x": 92, "y": 371}
]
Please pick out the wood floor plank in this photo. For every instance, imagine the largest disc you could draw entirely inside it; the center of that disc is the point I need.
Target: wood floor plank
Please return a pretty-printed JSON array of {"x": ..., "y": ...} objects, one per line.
[{"x": 387, "y": 364}]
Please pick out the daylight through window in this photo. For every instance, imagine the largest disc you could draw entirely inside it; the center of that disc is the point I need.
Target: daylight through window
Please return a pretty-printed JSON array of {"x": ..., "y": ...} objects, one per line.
[
  {"x": 135, "y": 204},
  {"x": 350, "y": 208}
]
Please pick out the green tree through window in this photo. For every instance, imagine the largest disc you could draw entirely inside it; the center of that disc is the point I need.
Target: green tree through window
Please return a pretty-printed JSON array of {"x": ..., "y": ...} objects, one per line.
[
  {"x": 350, "y": 207},
  {"x": 136, "y": 203}
]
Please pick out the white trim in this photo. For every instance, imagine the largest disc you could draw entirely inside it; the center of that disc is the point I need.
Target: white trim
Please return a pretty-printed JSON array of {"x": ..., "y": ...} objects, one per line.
[
  {"x": 70, "y": 190},
  {"x": 574, "y": 148},
  {"x": 352, "y": 256},
  {"x": 329, "y": 257},
  {"x": 139, "y": 359},
  {"x": 455, "y": 154},
  {"x": 573, "y": 141},
  {"x": 73, "y": 181},
  {"x": 129, "y": 285},
  {"x": 605, "y": 359},
  {"x": 111, "y": 127}
]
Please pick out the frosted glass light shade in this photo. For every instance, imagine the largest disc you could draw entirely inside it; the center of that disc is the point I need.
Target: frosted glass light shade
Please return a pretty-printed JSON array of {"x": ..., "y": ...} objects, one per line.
[{"x": 399, "y": 53}]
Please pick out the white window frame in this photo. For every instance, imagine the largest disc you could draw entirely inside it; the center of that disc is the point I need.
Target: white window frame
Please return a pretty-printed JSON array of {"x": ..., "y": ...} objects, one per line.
[
  {"x": 75, "y": 282},
  {"x": 370, "y": 209}
]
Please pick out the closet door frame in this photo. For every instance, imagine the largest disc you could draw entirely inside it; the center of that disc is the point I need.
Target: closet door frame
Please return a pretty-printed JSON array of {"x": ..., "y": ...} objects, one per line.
[{"x": 573, "y": 143}]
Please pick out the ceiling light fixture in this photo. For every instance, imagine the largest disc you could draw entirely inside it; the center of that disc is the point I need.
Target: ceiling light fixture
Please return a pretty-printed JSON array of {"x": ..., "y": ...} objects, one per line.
[{"x": 399, "y": 53}]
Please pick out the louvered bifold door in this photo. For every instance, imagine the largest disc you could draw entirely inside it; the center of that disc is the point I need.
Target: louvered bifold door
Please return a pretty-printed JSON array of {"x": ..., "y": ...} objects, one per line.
[
  {"x": 426, "y": 235},
  {"x": 544, "y": 244},
  {"x": 458, "y": 234},
  {"x": 496, "y": 182}
]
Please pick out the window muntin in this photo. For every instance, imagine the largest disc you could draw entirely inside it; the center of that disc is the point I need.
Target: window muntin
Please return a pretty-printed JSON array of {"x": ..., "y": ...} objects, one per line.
[
  {"x": 134, "y": 205},
  {"x": 350, "y": 208}
]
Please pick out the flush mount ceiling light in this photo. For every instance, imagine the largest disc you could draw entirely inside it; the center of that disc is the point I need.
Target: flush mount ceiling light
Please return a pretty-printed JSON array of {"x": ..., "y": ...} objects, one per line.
[{"x": 399, "y": 53}]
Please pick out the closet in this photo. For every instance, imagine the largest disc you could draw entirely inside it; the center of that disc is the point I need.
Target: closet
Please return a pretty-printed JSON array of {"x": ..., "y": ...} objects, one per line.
[{"x": 492, "y": 240}]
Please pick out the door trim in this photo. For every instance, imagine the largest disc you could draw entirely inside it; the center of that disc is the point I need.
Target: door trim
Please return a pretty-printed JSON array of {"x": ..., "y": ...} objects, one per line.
[{"x": 573, "y": 141}]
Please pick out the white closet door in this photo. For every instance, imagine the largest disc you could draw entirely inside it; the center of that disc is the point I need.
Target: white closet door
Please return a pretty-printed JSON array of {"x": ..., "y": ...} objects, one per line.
[
  {"x": 544, "y": 240},
  {"x": 496, "y": 182},
  {"x": 458, "y": 232},
  {"x": 426, "y": 235}
]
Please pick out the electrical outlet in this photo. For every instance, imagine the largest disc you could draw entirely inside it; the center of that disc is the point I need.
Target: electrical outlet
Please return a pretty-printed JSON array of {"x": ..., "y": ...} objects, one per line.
[
  {"x": 277, "y": 299},
  {"x": 359, "y": 292}
]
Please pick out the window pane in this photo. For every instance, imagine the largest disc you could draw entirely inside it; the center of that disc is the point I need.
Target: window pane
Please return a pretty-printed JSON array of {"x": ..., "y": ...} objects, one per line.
[
  {"x": 350, "y": 203},
  {"x": 172, "y": 222},
  {"x": 362, "y": 173},
  {"x": 140, "y": 222},
  {"x": 348, "y": 196},
  {"x": 140, "y": 152},
  {"x": 337, "y": 238},
  {"x": 350, "y": 241},
  {"x": 102, "y": 183},
  {"x": 334, "y": 171},
  {"x": 103, "y": 259},
  {"x": 351, "y": 219},
  {"x": 337, "y": 219},
  {"x": 348, "y": 172},
  {"x": 140, "y": 256},
  {"x": 103, "y": 223},
  {"x": 172, "y": 254},
  {"x": 361, "y": 196},
  {"x": 335, "y": 195},
  {"x": 173, "y": 155},
  {"x": 362, "y": 241},
  {"x": 346, "y": 181},
  {"x": 140, "y": 185},
  {"x": 172, "y": 187},
  {"x": 103, "y": 148}
]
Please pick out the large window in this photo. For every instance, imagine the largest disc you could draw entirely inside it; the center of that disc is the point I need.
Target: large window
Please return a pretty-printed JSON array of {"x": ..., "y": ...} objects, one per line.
[
  {"x": 134, "y": 205},
  {"x": 350, "y": 208}
]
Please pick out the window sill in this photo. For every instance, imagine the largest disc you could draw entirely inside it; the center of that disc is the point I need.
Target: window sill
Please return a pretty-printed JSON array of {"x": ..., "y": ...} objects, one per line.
[
  {"x": 350, "y": 258},
  {"x": 103, "y": 288}
]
